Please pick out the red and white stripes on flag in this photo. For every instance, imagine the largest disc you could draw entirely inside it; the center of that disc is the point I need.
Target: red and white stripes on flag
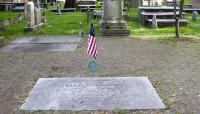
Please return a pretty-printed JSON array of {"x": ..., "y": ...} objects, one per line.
[{"x": 92, "y": 46}]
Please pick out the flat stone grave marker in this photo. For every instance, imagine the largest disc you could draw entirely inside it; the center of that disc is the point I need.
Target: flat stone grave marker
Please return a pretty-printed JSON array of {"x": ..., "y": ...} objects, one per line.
[
  {"x": 46, "y": 39},
  {"x": 106, "y": 93},
  {"x": 42, "y": 44},
  {"x": 39, "y": 47}
]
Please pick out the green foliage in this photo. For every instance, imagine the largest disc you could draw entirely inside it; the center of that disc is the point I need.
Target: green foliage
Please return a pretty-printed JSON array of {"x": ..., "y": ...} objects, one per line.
[
  {"x": 98, "y": 5},
  {"x": 8, "y": 15},
  {"x": 69, "y": 23},
  {"x": 187, "y": 1},
  {"x": 119, "y": 111}
]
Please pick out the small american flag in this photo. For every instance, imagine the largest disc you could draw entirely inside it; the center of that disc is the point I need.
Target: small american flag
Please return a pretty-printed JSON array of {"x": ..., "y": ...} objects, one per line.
[{"x": 92, "y": 47}]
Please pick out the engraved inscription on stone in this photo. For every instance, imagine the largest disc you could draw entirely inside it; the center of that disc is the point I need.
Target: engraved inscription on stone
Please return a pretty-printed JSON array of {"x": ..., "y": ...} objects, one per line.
[{"x": 93, "y": 94}]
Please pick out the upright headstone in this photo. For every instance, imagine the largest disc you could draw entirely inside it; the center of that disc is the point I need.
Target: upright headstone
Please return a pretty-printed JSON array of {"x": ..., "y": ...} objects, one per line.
[
  {"x": 58, "y": 4},
  {"x": 30, "y": 12},
  {"x": 34, "y": 19},
  {"x": 113, "y": 22},
  {"x": 19, "y": 19},
  {"x": 25, "y": 9},
  {"x": 38, "y": 3},
  {"x": 38, "y": 16},
  {"x": 154, "y": 22},
  {"x": 112, "y": 9},
  {"x": 6, "y": 22},
  {"x": 194, "y": 15}
]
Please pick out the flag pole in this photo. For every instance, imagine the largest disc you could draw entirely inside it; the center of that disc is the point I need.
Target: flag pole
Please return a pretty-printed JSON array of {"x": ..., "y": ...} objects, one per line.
[{"x": 92, "y": 51}]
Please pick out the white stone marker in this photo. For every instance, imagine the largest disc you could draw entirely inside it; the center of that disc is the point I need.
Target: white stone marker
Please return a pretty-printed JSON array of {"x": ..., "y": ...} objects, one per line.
[
  {"x": 194, "y": 15},
  {"x": 25, "y": 9},
  {"x": 38, "y": 16},
  {"x": 112, "y": 9},
  {"x": 30, "y": 11},
  {"x": 154, "y": 22},
  {"x": 97, "y": 93}
]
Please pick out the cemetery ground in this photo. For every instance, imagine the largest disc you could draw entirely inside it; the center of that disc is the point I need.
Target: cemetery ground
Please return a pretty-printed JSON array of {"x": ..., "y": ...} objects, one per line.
[
  {"x": 69, "y": 23},
  {"x": 172, "y": 65}
]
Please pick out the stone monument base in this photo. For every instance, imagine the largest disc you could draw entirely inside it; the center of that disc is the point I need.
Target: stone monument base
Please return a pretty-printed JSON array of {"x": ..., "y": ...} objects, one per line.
[
  {"x": 115, "y": 32},
  {"x": 114, "y": 28},
  {"x": 34, "y": 28}
]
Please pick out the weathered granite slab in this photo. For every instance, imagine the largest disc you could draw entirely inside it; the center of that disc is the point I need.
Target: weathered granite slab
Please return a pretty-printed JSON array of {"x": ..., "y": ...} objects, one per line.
[
  {"x": 92, "y": 94},
  {"x": 38, "y": 47},
  {"x": 46, "y": 39}
]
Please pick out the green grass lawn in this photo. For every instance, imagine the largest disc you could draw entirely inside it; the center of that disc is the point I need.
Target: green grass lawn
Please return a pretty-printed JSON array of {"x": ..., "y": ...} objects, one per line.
[
  {"x": 7, "y": 15},
  {"x": 193, "y": 27},
  {"x": 69, "y": 23},
  {"x": 65, "y": 24}
]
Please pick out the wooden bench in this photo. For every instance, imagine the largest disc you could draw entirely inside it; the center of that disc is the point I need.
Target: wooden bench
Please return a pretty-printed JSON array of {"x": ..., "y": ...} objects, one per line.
[{"x": 168, "y": 21}]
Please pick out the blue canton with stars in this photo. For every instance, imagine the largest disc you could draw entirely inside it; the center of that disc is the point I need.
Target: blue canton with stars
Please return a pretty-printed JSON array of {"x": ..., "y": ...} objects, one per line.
[{"x": 92, "y": 30}]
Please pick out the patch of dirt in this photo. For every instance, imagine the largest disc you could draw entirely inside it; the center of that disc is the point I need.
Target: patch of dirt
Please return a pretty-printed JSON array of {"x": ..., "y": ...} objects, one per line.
[
  {"x": 185, "y": 39},
  {"x": 173, "y": 68}
]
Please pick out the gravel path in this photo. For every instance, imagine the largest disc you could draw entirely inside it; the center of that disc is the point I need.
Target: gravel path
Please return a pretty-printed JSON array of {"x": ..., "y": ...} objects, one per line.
[{"x": 173, "y": 69}]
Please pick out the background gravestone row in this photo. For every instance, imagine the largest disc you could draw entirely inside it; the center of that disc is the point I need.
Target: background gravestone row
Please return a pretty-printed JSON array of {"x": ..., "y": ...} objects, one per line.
[{"x": 10, "y": 21}]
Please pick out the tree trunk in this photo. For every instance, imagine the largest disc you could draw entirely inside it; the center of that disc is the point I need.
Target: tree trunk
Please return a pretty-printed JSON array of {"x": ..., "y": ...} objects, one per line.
[
  {"x": 177, "y": 18},
  {"x": 177, "y": 27}
]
